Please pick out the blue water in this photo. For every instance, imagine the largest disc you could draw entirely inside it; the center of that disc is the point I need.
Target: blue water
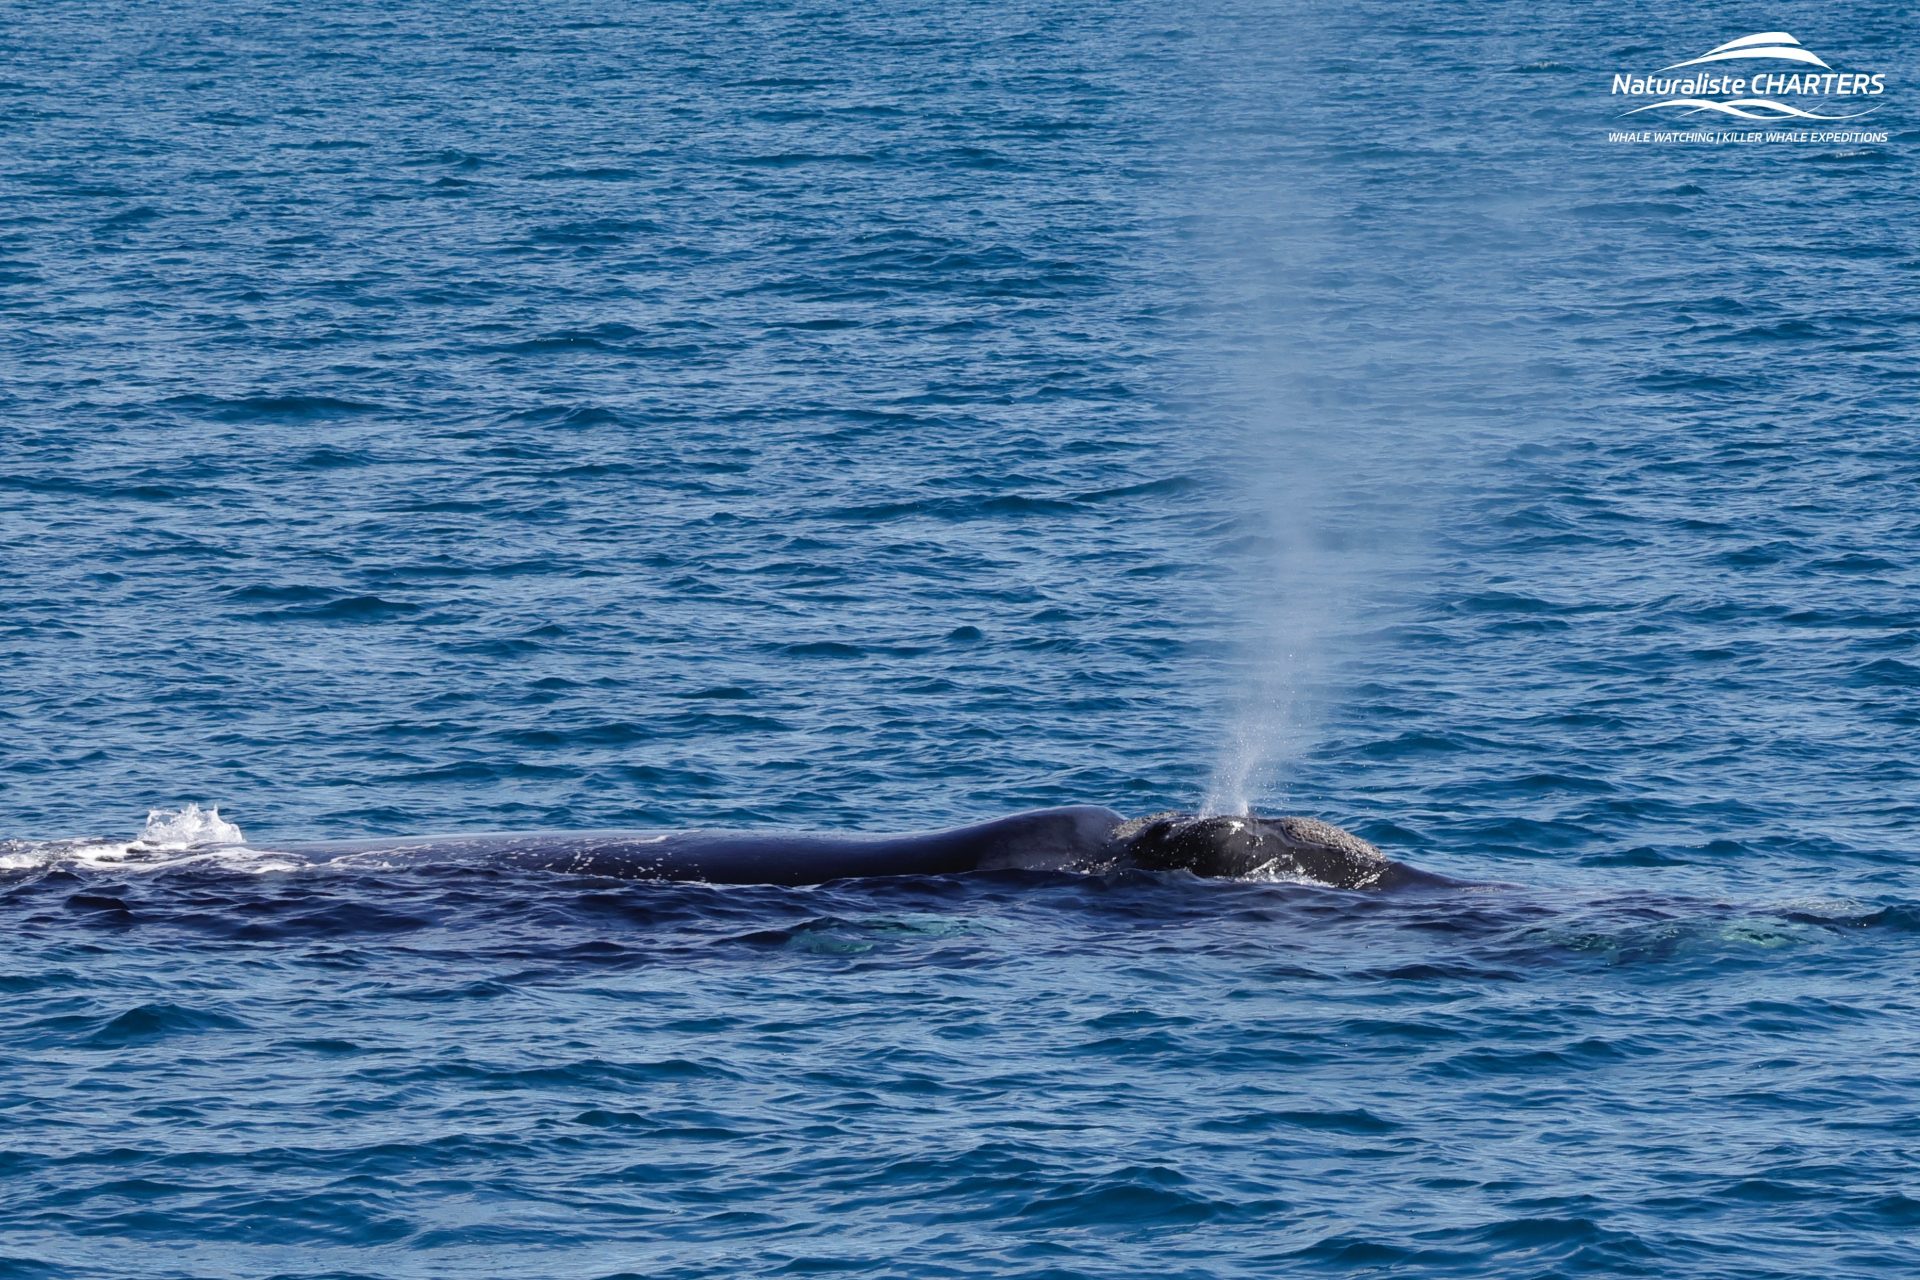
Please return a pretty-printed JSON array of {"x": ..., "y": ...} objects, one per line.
[{"x": 879, "y": 417}]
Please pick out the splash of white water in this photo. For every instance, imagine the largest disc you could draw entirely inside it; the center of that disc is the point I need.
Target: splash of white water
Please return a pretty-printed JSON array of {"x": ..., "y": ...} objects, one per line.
[
  {"x": 170, "y": 838},
  {"x": 186, "y": 827}
]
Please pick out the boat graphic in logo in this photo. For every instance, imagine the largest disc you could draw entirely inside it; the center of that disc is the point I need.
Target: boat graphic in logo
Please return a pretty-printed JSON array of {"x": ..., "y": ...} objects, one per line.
[
  {"x": 1768, "y": 44},
  {"x": 1757, "y": 94}
]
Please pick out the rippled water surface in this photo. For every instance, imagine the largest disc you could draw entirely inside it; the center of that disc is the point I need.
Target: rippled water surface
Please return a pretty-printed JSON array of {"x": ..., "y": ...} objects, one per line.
[{"x": 884, "y": 417}]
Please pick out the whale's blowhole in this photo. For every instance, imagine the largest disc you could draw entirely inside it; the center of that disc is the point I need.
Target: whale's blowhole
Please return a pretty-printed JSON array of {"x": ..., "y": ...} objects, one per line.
[{"x": 1250, "y": 846}]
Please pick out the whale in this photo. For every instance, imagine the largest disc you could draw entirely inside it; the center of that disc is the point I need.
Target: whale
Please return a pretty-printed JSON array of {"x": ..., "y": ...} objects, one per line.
[{"x": 1067, "y": 838}]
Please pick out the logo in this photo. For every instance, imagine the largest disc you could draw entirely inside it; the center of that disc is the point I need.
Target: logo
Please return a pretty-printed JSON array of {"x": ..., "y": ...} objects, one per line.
[{"x": 1790, "y": 85}]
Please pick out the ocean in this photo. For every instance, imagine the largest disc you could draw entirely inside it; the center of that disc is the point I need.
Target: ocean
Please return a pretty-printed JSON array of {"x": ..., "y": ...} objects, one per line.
[{"x": 879, "y": 418}]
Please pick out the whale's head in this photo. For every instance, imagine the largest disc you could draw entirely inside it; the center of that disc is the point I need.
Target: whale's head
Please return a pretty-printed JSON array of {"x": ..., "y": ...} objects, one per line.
[{"x": 1302, "y": 848}]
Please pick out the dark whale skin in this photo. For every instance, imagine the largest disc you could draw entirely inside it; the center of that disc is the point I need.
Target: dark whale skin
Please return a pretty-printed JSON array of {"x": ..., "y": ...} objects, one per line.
[
  {"x": 1244, "y": 845},
  {"x": 1072, "y": 837},
  {"x": 1086, "y": 838}
]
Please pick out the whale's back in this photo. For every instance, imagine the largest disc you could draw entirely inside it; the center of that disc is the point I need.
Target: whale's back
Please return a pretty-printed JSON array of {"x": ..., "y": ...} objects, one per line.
[{"x": 1070, "y": 837}]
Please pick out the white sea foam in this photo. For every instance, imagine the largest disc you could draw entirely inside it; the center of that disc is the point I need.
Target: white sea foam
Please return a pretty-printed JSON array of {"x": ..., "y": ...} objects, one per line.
[
  {"x": 184, "y": 828},
  {"x": 170, "y": 838}
]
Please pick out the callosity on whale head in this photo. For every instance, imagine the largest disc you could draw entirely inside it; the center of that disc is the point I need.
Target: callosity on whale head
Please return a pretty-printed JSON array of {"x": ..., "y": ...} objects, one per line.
[{"x": 1247, "y": 845}]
